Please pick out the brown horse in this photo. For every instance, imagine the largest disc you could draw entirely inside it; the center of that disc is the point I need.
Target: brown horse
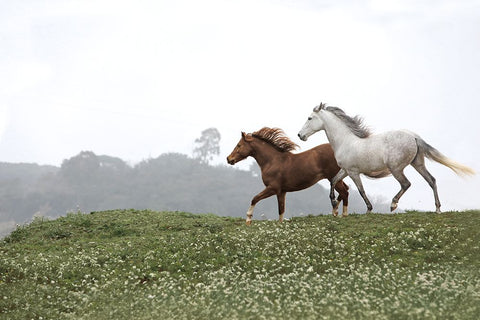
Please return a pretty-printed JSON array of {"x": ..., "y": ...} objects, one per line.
[{"x": 284, "y": 171}]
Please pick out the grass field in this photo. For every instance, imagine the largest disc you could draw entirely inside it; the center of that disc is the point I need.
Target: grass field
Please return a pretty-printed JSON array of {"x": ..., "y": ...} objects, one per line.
[{"x": 129, "y": 264}]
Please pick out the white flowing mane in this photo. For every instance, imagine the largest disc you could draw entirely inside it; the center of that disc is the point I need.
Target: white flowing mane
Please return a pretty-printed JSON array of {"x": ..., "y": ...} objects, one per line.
[{"x": 355, "y": 124}]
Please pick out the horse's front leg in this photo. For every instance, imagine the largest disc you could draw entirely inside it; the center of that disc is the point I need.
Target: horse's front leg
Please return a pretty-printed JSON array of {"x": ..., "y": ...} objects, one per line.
[
  {"x": 358, "y": 182},
  {"x": 281, "y": 205},
  {"x": 339, "y": 176},
  {"x": 267, "y": 192}
]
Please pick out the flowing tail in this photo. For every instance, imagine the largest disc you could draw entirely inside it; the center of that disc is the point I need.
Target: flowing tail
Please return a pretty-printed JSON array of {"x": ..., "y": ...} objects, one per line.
[{"x": 435, "y": 155}]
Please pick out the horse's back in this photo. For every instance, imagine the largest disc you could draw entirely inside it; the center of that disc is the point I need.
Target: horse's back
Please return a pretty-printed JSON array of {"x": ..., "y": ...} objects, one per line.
[
  {"x": 320, "y": 153},
  {"x": 302, "y": 170},
  {"x": 397, "y": 148},
  {"x": 321, "y": 159},
  {"x": 400, "y": 141},
  {"x": 324, "y": 149}
]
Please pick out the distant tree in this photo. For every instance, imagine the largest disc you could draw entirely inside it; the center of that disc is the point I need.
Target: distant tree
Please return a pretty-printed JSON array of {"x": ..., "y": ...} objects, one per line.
[
  {"x": 81, "y": 168},
  {"x": 207, "y": 145}
]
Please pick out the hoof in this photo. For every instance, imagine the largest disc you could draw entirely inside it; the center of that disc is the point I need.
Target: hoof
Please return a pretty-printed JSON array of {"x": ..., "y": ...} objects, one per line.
[
  {"x": 248, "y": 222},
  {"x": 393, "y": 207},
  {"x": 438, "y": 211},
  {"x": 344, "y": 215}
]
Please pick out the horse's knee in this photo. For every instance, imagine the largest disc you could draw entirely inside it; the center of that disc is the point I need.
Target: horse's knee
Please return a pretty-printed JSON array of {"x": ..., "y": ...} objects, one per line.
[{"x": 406, "y": 185}]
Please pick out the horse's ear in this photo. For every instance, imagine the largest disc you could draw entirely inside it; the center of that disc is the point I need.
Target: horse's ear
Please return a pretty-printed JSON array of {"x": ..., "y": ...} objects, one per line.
[
  {"x": 321, "y": 106},
  {"x": 246, "y": 137}
]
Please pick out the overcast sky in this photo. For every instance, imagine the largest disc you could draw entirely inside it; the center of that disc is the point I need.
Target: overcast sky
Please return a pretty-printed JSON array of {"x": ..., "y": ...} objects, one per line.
[{"x": 135, "y": 79}]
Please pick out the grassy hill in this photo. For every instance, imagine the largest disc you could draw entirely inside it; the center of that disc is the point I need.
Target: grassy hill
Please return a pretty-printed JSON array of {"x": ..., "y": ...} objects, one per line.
[{"x": 129, "y": 264}]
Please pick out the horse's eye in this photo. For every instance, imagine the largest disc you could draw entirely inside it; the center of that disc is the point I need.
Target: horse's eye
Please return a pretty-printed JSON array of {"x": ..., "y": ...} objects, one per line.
[{"x": 309, "y": 118}]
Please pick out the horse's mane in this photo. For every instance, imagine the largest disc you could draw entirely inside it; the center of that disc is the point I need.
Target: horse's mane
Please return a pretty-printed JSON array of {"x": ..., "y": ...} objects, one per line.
[
  {"x": 355, "y": 124},
  {"x": 277, "y": 138}
]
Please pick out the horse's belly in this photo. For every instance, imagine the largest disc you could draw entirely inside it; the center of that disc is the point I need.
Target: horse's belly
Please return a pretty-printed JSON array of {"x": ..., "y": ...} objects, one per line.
[
  {"x": 301, "y": 181},
  {"x": 375, "y": 165},
  {"x": 364, "y": 163}
]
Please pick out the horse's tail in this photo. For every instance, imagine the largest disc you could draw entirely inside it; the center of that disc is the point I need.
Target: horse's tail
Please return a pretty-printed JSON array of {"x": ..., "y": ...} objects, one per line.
[{"x": 435, "y": 155}]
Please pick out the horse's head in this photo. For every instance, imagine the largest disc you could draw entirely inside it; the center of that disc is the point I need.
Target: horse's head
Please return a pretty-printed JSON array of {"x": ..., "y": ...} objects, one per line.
[
  {"x": 242, "y": 150},
  {"x": 314, "y": 123}
]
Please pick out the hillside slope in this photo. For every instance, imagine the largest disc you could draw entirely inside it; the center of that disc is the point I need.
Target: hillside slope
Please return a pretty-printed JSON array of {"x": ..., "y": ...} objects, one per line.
[{"x": 129, "y": 264}]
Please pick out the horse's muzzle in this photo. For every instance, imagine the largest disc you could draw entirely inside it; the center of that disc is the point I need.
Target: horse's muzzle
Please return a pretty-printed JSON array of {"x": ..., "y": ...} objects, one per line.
[
  {"x": 302, "y": 137},
  {"x": 230, "y": 161}
]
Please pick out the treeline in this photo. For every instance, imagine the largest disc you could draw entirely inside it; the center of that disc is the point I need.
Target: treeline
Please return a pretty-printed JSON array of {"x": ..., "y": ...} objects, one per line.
[{"x": 88, "y": 182}]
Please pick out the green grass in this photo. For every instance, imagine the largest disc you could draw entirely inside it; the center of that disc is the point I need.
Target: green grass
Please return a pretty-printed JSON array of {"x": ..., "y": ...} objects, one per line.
[{"x": 129, "y": 264}]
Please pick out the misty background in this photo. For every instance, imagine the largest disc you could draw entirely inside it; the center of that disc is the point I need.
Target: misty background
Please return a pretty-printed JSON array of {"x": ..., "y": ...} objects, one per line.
[{"x": 137, "y": 80}]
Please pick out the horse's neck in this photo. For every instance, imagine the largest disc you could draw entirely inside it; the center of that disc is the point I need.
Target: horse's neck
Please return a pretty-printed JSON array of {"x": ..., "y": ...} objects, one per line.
[
  {"x": 338, "y": 134},
  {"x": 264, "y": 152}
]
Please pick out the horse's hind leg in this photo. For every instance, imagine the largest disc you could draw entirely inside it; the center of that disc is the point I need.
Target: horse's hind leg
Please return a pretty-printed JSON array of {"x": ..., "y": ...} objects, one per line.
[
  {"x": 419, "y": 165},
  {"x": 404, "y": 185},
  {"x": 358, "y": 182},
  {"x": 342, "y": 190}
]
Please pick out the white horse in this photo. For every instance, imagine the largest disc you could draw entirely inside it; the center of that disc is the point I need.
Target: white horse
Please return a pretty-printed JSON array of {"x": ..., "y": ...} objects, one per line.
[{"x": 357, "y": 151}]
